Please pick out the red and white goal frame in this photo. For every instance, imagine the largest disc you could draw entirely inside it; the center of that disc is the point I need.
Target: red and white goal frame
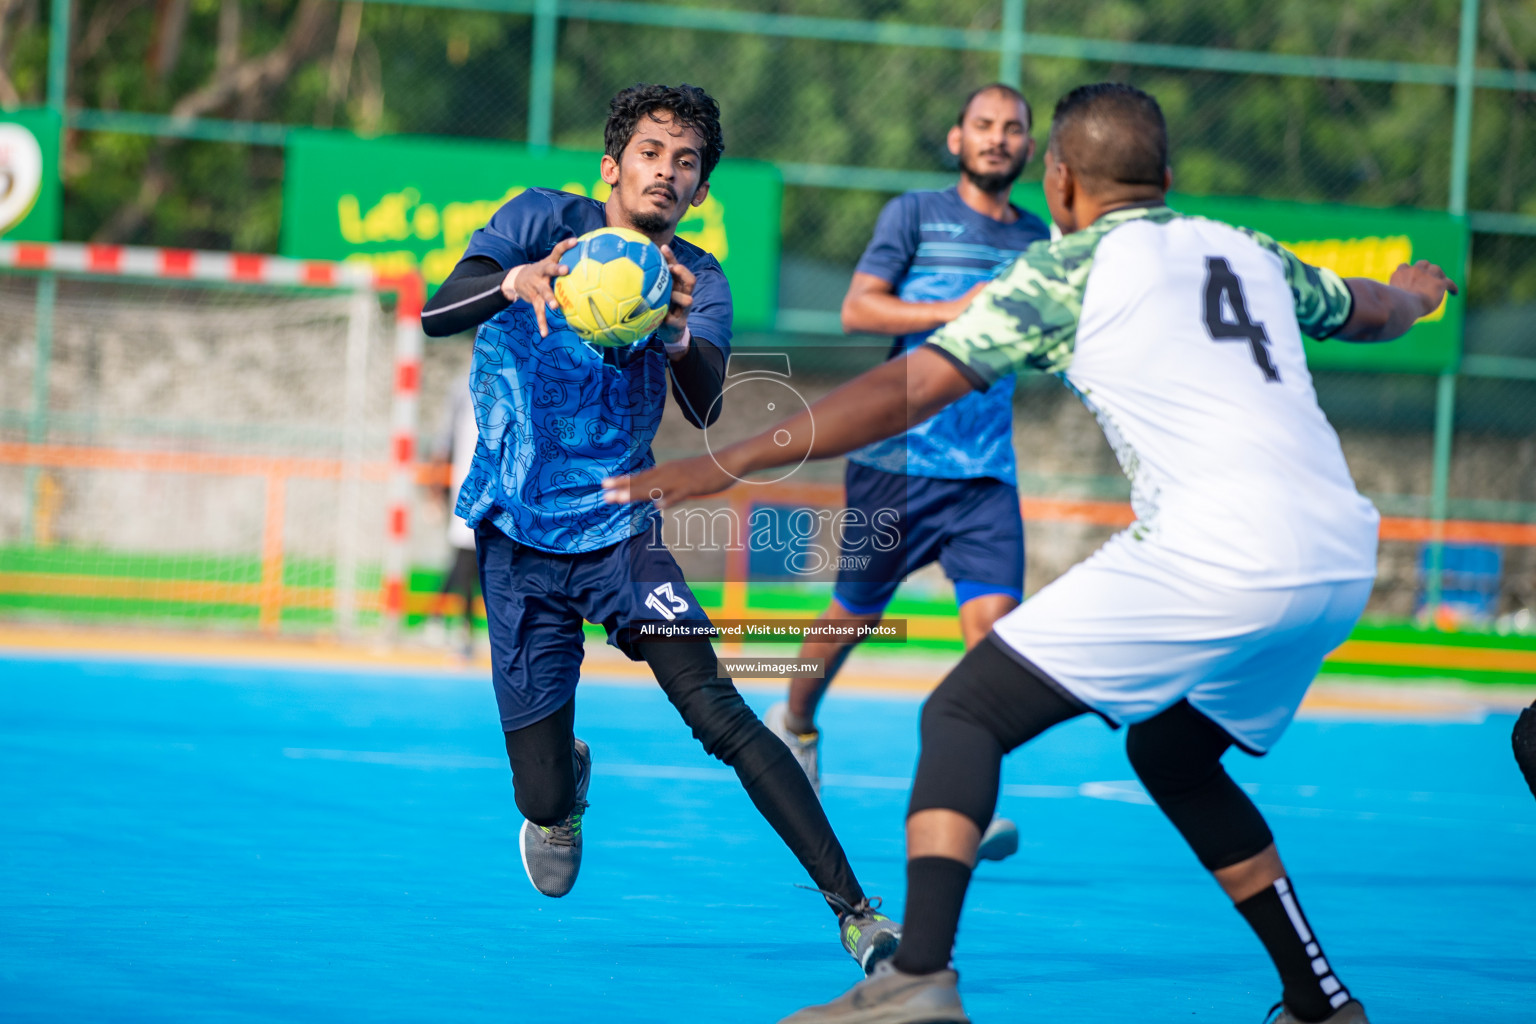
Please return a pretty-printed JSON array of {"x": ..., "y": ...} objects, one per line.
[{"x": 225, "y": 268}]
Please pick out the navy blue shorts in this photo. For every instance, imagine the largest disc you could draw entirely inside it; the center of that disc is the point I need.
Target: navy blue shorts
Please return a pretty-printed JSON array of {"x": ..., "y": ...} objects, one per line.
[
  {"x": 535, "y": 603},
  {"x": 971, "y": 527}
]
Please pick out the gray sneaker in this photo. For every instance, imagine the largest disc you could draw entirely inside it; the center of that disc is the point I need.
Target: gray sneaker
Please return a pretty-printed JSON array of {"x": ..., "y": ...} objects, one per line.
[
  {"x": 889, "y": 997},
  {"x": 869, "y": 936},
  {"x": 1000, "y": 840},
  {"x": 1350, "y": 1013},
  {"x": 807, "y": 749},
  {"x": 552, "y": 856}
]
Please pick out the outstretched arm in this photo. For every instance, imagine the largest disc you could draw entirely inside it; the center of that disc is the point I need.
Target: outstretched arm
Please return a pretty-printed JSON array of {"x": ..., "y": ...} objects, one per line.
[
  {"x": 1382, "y": 312},
  {"x": 880, "y": 403},
  {"x": 871, "y": 307}
]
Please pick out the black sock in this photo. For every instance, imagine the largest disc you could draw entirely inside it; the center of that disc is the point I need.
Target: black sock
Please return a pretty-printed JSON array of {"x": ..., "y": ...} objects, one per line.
[
  {"x": 935, "y": 892},
  {"x": 1312, "y": 991}
]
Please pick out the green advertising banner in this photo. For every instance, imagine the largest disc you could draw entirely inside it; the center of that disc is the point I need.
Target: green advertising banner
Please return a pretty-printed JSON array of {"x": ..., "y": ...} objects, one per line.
[
  {"x": 1353, "y": 241},
  {"x": 411, "y": 203},
  {"x": 29, "y": 176},
  {"x": 1356, "y": 241}
]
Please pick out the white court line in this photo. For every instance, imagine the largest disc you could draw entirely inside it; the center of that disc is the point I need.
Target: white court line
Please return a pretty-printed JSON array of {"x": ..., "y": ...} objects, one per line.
[
  {"x": 681, "y": 773},
  {"x": 402, "y": 759},
  {"x": 1124, "y": 791}
]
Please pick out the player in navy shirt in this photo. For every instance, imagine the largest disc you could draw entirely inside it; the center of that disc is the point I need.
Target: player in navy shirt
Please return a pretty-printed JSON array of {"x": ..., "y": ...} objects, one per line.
[
  {"x": 947, "y": 487},
  {"x": 555, "y": 416}
]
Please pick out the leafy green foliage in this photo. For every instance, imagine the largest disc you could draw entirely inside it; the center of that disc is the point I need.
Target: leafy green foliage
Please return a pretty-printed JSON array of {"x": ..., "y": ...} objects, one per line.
[{"x": 383, "y": 68}]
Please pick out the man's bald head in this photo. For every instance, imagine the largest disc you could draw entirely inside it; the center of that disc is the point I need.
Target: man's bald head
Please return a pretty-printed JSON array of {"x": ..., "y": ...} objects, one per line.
[{"x": 1112, "y": 136}]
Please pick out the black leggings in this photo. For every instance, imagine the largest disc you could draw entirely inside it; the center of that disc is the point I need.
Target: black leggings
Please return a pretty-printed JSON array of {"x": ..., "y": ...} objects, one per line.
[
  {"x": 995, "y": 700},
  {"x": 543, "y": 757},
  {"x": 543, "y": 767}
]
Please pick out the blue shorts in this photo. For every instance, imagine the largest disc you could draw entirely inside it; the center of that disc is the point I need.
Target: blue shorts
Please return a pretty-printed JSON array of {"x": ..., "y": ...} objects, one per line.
[
  {"x": 535, "y": 603},
  {"x": 899, "y": 523}
]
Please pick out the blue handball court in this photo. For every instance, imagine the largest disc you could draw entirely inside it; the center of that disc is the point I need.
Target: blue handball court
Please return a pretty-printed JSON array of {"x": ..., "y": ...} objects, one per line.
[{"x": 190, "y": 840}]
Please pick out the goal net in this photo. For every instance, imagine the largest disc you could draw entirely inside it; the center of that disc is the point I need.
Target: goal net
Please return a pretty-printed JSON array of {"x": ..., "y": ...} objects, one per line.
[{"x": 194, "y": 453}]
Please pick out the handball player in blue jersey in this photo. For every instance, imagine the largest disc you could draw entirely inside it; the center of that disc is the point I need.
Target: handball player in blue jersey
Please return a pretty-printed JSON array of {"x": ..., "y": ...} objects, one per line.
[
  {"x": 556, "y": 416},
  {"x": 948, "y": 488}
]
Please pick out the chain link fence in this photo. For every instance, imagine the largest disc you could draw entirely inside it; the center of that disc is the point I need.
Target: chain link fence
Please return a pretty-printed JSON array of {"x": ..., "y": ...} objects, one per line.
[{"x": 178, "y": 112}]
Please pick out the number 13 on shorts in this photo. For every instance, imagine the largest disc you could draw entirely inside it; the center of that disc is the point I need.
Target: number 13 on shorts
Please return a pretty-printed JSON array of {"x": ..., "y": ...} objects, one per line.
[{"x": 665, "y": 602}]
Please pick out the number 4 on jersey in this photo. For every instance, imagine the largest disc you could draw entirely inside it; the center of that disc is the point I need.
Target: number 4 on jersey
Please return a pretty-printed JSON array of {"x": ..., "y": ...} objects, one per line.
[{"x": 1221, "y": 283}]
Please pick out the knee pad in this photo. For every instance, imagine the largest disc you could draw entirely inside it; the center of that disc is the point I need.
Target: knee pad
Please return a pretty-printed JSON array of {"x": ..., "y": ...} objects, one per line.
[
  {"x": 961, "y": 699},
  {"x": 1524, "y": 741},
  {"x": 1169, "y": 772},
  {"x": 1177, "y": 757},
  {"x": 989, "y": 704},
  {"x": 958, "y": 767},
  {"x": 1002, "y": 693},
  {"x": 943, "y": 703}
]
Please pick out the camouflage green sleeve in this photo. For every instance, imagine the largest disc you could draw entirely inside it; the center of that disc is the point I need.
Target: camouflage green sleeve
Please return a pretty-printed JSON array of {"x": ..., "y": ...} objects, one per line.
[
  {"x": 1023, "y": 320},
  {"x": 1323, "y": 300}
]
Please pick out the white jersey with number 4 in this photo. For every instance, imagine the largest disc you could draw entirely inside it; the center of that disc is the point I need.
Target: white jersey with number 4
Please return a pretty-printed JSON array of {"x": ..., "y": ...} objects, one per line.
[{"x": 1183, "y": 336}]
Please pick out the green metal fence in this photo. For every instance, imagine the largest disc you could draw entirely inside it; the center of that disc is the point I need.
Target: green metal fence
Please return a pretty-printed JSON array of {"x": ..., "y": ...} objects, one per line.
[{"x": 1425, "y": 104}]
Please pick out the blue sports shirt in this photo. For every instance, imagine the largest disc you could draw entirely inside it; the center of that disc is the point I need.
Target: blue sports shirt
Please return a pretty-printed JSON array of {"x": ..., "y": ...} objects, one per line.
[
  {"x": 557, "y": 415},
  {"x": 933, "y": 248}
]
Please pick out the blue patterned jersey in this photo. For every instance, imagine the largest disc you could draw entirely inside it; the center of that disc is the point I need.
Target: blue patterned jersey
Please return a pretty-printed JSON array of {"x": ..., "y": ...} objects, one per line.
[
  {"x": 557, "y": 415},
  {"x": 933, "y": 248}
]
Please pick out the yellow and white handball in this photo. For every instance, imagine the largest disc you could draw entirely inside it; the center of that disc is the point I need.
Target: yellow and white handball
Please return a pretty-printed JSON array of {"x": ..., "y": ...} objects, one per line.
[{"x": 618, "y": 288}]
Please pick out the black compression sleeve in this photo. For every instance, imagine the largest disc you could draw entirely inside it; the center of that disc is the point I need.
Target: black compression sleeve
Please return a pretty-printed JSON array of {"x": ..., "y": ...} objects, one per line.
[
  {"x": 470, "y": 297},
  {"x": 1177, "y": 756},
  {"x": 697, "y": 382},
  {"x": 990, "y": 703}
]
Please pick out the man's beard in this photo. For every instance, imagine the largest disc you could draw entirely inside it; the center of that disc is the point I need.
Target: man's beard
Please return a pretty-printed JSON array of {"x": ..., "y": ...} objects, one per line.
[
  {"x": 997, "y": 182},
  {"x": 654, "y": 221},
  {"x": 651, "y": 222}
]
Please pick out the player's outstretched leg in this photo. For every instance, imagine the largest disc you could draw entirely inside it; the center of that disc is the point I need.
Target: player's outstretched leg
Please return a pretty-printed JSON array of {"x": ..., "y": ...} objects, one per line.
[
  {"x": 550, "y": 772},
  {"x": 1177, "y": 755},
  {"x": 1524, "y": 740},
  {"x": 978, "y": 615},
  {"x": 990, "y": 703},
  {"x": 794, "y": 720},
  {"x": 728, "y": 730}
]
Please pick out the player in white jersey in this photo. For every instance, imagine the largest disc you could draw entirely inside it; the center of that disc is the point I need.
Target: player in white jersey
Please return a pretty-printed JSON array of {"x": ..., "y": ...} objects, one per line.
[{"x": 1202, "y": 624}]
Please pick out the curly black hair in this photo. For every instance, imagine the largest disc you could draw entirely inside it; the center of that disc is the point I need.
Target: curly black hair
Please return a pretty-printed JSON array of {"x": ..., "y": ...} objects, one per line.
[{"x": 689, "y": 106}]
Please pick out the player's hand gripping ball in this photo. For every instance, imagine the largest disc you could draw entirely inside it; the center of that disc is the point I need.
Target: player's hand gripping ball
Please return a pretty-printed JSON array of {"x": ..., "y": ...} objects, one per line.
[{"x": 618, "y": 288}]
